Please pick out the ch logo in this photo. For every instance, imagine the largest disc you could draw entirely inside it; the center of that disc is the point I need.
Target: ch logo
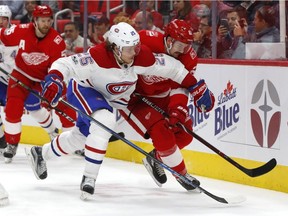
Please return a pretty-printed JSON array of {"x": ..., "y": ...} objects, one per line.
[{"x": 265, "y": 113}]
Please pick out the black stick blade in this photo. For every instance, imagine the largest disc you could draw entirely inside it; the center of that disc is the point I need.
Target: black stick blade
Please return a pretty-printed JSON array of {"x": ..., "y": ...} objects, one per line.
[{"x": 265, "y": 168}]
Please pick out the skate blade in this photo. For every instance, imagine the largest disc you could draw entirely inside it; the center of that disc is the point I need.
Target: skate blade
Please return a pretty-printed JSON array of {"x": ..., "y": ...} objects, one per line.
[
  {"x": 85, "y": 196},
  {"x": 150, "y": 171},
  {"x": 31, "y": 161}
]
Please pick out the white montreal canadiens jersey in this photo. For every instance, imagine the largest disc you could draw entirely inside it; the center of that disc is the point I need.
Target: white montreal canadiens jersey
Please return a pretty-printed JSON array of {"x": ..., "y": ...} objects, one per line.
[
  {"x": 115, "y": 83},
  {"x": 7, "y": 60}
]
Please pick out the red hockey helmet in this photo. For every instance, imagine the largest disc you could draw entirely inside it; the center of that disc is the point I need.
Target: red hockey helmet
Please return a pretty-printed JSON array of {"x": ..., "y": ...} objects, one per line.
[
  {"x": 42, "y": 11},
  {"x": 180, "y": 30}
]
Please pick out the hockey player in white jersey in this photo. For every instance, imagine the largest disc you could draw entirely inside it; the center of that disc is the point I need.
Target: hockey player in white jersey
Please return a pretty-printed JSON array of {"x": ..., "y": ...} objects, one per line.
[
  {"x": 103, "y": 79},
  {"x": 32, "y": 104}
]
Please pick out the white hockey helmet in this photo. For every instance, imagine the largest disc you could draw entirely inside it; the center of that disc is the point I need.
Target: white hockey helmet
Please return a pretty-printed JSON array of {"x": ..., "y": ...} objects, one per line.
[
  {"x": 5, "y": 12},
  {"x": 123, "y": 35}
]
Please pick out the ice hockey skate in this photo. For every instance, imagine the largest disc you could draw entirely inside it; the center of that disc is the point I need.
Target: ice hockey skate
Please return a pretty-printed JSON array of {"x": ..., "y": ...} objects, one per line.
[
  {"x": 10, "y": 152},
  {"x": 87, "y": 187},
  {"x": 37, "y": 162},
  {"x": 3, "y": 144},
  {"x": 187, "y": 186},
  {"x": 4, "y": 199},
  {"x": 154, "y": 169}
]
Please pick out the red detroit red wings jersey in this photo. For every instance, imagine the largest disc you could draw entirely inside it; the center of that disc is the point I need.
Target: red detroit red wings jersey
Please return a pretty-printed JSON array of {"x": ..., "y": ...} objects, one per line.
[
  {"x": 155, "y": 85},
  {"x": 35, "y": 55}
]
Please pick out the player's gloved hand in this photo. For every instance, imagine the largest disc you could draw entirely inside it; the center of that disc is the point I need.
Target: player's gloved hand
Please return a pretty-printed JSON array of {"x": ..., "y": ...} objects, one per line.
[
  {"x": 177, "y": 114},
  {"x": 52, "y": 90},
  {"x": 203, "y": 97}
]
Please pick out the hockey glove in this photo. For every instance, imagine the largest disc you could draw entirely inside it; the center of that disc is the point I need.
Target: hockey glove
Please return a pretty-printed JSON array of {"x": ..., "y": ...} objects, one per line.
[
  {"x": 203, "y": 97},
  {"x": 177, "y": 114},
  {"x": 52, "y": 90}
]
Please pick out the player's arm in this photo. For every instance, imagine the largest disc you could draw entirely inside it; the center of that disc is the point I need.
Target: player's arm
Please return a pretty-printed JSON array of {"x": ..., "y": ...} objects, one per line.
[
  {"x": 62, "y": 70},
  {"x": 177, "y": 107},
  {"x": 11, "y": 36},
  {"x": 168, "y": 67}
]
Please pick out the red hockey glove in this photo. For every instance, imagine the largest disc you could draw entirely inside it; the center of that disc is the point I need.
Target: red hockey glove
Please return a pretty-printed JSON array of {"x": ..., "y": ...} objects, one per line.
[
  {"x": 177, "y": 114},
  {"x": 203, "y": 97},
  {"x": 52, "y": 90}
]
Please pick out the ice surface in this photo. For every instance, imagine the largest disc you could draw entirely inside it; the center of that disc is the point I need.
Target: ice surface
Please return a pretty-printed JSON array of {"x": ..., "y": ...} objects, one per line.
[{"x": 123, "y": 188}]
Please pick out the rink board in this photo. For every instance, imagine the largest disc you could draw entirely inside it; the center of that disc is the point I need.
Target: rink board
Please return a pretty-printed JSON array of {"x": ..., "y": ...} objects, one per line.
[
  {"x": 249, "y": 123},
  {"x": 199, "y": 163}
]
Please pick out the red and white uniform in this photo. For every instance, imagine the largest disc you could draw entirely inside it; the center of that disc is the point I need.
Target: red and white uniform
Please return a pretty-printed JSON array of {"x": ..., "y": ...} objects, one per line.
[
  {"x": 166, "y": 94},
  {"x": 99, "y": 70},
  {"x": 32, "y": 62}
]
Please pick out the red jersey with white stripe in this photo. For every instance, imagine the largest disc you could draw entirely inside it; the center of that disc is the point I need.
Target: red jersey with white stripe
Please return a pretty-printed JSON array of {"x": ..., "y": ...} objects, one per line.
[
  {"x": 35, "y": 55},
  {"x": 155, "y": 86}
]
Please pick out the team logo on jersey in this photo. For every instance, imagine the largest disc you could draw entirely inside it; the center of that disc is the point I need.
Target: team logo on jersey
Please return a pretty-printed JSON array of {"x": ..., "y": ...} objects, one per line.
[
  {"x": 119, "y": 88},
  {"x": 58, "y": 39},
  {"x": 34, "y": 58},
  {"x": 193, "y": 54},
  {"x": 152, "y": 33},
  {"x": 151, "y": 79}
]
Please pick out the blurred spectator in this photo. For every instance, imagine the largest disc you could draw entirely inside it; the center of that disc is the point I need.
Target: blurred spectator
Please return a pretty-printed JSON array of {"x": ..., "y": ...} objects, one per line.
[
  {"x": 150, "y": 7},
  {"x": 53, "y": 4},
  {"x": 29, "y": 6},
  {"x": 265, "y": 30},
  {"x": 202, "y": 38},
  {"x": 183, "y": 10},
  {"x": 73, "y": 5},
  {"x": 139, "y": 22},
  {"x": 97, "y": 27},
  {"x": 74, "y": 41},
  {"x": 264, "y": 25},
  {"x": 201, "y": 10},
  {"x": 15, "y": 6},
  {"x": 122, "y": 17},
  {"x": 229, "y": 35}
]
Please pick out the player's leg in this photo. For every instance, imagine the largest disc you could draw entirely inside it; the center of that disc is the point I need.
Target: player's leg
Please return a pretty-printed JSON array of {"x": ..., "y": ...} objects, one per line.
[
  {"x": 142, "y": 117},
  {"x": 165, "y": 143},
  {"x": 95, "y": 148},
  {"x": 94, "y": 104},
  {"x": 16, "y": 95},
  {"x": 64, "y": 144},
  {"x": 41, "y": 115},
  {"x": 3, "y": 91}
]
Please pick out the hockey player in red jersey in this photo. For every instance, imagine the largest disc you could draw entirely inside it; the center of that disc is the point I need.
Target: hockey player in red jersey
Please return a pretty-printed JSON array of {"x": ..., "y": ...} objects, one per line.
[
  {"x": 167, "y": 138},
  {"x": 39, "y": 46},
  {"x": 103, "y": 79},
  {"x": 32, "y": 104}
]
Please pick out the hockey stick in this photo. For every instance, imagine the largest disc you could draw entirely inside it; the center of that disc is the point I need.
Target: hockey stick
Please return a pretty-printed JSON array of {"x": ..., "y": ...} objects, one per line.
[
  {"x": 233, "y": 200},
  {"x": 35, "y": 93},
  {"x": 265, "y": 168}
]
